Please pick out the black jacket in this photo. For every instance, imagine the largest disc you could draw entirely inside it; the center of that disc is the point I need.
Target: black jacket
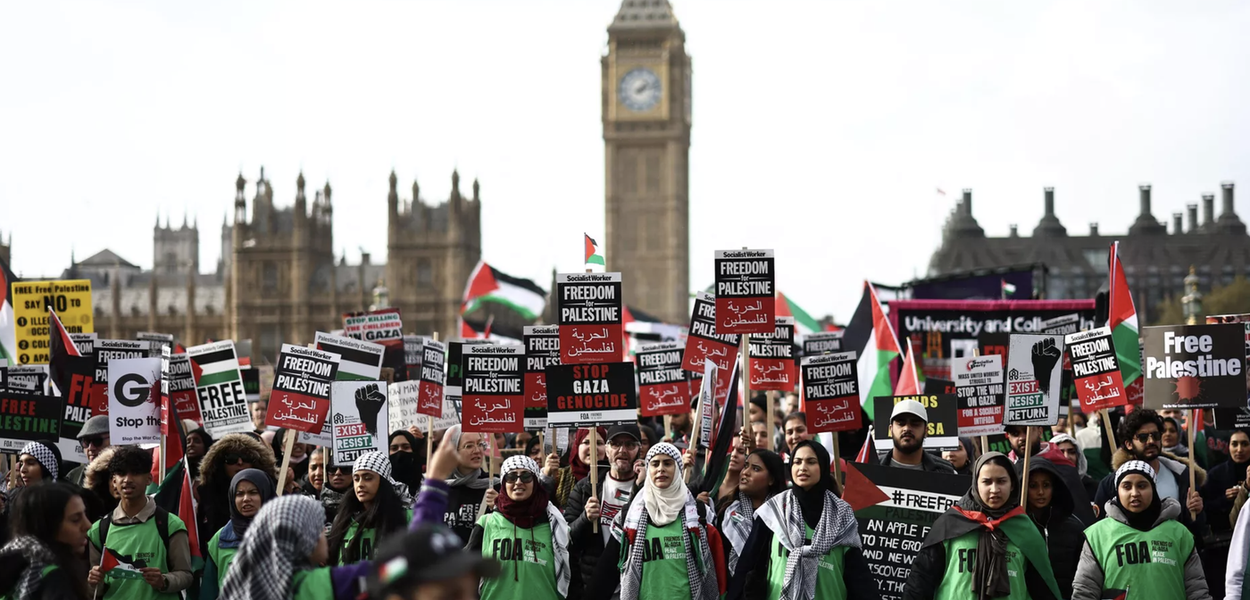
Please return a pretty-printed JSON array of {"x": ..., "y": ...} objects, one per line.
[
  {"x": 1180, "y": 470},
  {"x": 1221, "y": 477},
  {"x": 1064, "y": 533},
  {"x": 585, "y": 546},
  {"x": 462, "y": 505},
  {"x": 750, "y": 581},
  {"x": 928, "y": 463}
]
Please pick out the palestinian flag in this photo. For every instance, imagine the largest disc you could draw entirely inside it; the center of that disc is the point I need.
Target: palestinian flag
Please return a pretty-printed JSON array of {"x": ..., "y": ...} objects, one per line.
[
  {"x": 803, "y": 322},
  {"x": 60, "y": 348},
  {"x": 1122, "y": 319},
  {"x": 489, "y": 285},
  {"x": 1009, "y": 289},
  {"x": 594, "y": 256},
  {"x": 358, "y": 360},
  {"x": 723, "y": 436},
  {"x": 213, "y": 363},
  {"x": 8, "y": 331},
  {"x": 868, "y": 451},
  {"x": 187, "y": 510},
  {"x": 869, "y": 335},
  {"x": 908, "y": 378},
  {"x": 116, "y": 567}
]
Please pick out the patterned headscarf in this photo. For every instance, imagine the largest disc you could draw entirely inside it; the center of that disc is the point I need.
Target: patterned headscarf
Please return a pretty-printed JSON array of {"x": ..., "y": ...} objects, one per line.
[
  {"x": 44, "y": 456},
  {"x": 38, "y": 555},
  {"x": 527, "y": 512},
  {"x": 278, "y": 543},
  {"x": 381, "y": 464}
]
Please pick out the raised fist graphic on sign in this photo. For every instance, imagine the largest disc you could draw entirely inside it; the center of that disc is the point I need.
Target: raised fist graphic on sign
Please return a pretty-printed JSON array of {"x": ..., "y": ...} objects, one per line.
[
  {"x": 369, "y": 400},
  {"x": 1045, "y": 356}
]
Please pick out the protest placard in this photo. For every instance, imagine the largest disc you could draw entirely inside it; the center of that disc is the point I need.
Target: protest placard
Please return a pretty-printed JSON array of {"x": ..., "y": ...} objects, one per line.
[
  {"x": 107, "y": 350},
  {"x": 542, "y": 349},
  {"x": 30, "y": 380},
  {"x": 402, "y": 401},
  {"x": 822, "y": 342},
  {"x": 662, "y": 386},
  {"x": 300, "y": 398},
  {"x": 895, "y": 508},
  {"x": 704, "y": 343},
  {"x": 223, "y": 402},
  {"x": 831, "y": 392},
  {"x": 430, "y": 375},
  {"x": 135, "y": 401},
  {"x": 745, "y": 291},
  {"x": 71, "y": 299},
  {"x": 772, "y": 358},
  {"x": 359, "y": 416},
  {"x": 589, "y": 307},
  {"x": 1095, "y": 369},
  {"x": 979, "y": 387},
  {"x": 251, "y": 384},
  {"x": 358, "y": 360},
  {"x": 85, "y": 342},
  {"x": 81, "y": 402},
  {"x": 943, "y": 424},
  {"x": 1194, "y": 366},
  {"x": 492, "y": 398},
  {"x": 25, "y": 419},
  {"x": 378, "y": 327},
  {"x": 1034, "y": 376},
  {"x": 179, "y": 385},
  {"x": 591, "y": 395},
  {"x": 156, "y": 340},
  {"x": 412, "y": 355},
  {"x": 455, "y": 370}
]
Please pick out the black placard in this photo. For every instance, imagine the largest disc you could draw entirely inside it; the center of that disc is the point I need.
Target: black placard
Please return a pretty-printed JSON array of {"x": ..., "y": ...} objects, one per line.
[
  {"x": 591, "y": 395},
  {"x": 1194, "y": 366},
  {"x": 28, "y": 418}
]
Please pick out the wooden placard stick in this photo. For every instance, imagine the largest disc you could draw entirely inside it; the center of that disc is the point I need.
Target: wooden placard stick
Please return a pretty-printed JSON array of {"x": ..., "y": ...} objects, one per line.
[
  {"x": 288, "y": 442},
  {"x": 1194, "y": 424},
  {"x": 1024, "y": 487},
  {"x": 745, "y": 352},
  {"x": 837, "y": 468},
  {"x": 1106, "y": 426}
]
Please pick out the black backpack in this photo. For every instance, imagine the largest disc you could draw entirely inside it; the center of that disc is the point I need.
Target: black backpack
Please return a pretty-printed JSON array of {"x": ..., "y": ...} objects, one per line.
[{"x": 162, "y": 528}]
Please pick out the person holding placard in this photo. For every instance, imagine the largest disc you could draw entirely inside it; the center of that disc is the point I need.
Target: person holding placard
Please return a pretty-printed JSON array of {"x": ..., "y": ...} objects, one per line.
[
  {"x": 527, "y": 535},
  {"x": 1141, "y": 545},
  {"x": 909, "y": 425},
  {"x": 469, "y": 483},
  {"x": 984, "y": 546},
  {"x": 1141, "y": 438},
  {"x": 662, "y": 546},
  {"x": 1050, "y": 507},
  {"x": 804, "y": 544},
  {"x": 377, "y": 508},
  {"x": 566, "y": 478},
  {"x": 618, "y": 483},
  {"x": 249, "y": 490}
]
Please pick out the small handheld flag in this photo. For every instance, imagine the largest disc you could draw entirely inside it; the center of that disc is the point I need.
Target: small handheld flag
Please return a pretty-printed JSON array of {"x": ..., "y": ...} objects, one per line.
[
  {"x": 594, "y": 256},
  {"x": 117, "y": 567}
]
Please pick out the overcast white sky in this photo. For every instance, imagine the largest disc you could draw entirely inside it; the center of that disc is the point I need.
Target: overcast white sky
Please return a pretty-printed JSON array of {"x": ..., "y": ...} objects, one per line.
[{"x": 821, "y": 129}]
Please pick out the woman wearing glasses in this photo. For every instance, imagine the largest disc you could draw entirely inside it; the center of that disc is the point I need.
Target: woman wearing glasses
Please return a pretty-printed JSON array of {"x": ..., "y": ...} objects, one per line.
[
  {"x": 224, "y": 459},
  {"x": 527, "y": 535},
  {"x": 377, "y": 508},
  {"x": 470, "y": 485},
  {"x": 336, "y": 487}
]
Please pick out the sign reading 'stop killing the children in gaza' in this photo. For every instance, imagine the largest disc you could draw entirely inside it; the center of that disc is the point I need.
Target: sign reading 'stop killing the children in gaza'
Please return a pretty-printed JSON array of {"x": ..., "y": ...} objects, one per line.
[
  {"x": 745, "y": 291},
  {"x": 589, "y": 317}
]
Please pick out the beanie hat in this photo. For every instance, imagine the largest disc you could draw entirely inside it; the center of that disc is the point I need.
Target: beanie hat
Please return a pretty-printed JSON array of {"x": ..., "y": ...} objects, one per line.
[{"x": 1135, "y": 466}]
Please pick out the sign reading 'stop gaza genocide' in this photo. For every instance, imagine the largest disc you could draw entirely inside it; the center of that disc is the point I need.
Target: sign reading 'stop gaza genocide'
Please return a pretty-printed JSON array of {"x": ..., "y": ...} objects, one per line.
[
  {"x": 589, "y": 317},
  {"x": 745, "y": 291},
  {"x": 71, "y": 299}
]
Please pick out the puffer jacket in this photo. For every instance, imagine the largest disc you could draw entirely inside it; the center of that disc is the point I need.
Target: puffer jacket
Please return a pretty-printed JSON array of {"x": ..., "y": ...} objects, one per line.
[
  {"x": 1063, "y": 532},
  {"x": 1179, "y": 467},
  {"x": 214, "y": 489},
  {"x": 1088, "y": 582}
]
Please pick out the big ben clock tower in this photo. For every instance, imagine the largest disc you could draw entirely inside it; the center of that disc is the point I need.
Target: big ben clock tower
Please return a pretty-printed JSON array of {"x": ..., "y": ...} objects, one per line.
[{"x": 646, "y": 134}]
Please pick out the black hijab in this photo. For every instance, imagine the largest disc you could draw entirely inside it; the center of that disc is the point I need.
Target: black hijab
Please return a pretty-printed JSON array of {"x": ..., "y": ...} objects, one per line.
[
  {"x": 1144, "y": 520},
  {"x": 812, "y": 501},
  {"x": 258, "y": 478}
]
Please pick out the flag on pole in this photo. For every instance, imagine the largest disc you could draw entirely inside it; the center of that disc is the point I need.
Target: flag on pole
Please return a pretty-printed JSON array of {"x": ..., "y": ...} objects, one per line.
[
  {"x": 803, "y": 322},
  {"x": 717, "y": 462},
  {"x": 187, "y": 510},
  {"x": 1122, "y": 319},
  {"x": 1009, "y": 289},
  {"x": 908, "y": 382},
  {"x": 594, "y": 256},
  {"x": 60, "y": 347},
  {"x": 489, "y": 285},
  {"x": 869, "y": 335},
  {"x": 867, "y": 452},
  {"x": 117, "y": 567},
  {"x": 8, "y": 328}
]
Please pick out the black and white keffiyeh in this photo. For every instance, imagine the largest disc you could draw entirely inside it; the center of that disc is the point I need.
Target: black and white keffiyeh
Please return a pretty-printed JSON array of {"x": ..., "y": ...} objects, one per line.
[
  {"x": 44, "y": 456},
  {"x": 277, "y": 544},
  {"x": 632, "y": 525},
  {"x": 736, "y": 525},
  {"x": 519, "y": 461},
  {"x": 39, "y": 556},
  {"x": 783, "y": 515},
  {"x": 379, "y": 463}
]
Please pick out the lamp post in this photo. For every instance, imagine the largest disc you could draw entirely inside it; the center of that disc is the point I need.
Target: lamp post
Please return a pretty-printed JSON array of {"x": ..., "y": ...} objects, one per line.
[{"x": 1191, "y": 302}]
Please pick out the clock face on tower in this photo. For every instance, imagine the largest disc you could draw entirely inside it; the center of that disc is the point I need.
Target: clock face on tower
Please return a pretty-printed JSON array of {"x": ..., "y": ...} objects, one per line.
[{"x": 639, "y": 90}]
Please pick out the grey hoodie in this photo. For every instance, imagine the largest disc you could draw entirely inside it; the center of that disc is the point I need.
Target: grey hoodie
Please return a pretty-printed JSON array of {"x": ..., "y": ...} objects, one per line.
[{"x": 1089, "y": 574}]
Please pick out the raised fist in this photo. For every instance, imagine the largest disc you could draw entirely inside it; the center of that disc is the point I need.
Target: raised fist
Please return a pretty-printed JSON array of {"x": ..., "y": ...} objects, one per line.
[
  {"x": 1045, "y": 356},
  {"x": 369, "y": 401}
]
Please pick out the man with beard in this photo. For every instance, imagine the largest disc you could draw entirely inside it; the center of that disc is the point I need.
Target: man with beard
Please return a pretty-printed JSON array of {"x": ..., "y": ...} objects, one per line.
[
  {"x": 909, "y": 424},
  {"x": 1141, "y": 438},
  {"x": 1015, "y": 436},
  {"x": 617, "y": 485}
]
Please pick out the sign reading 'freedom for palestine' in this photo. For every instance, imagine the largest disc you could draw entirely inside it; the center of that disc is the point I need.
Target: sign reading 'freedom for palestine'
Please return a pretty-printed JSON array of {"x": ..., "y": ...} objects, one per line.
[
  {"x": 745, "y": 291},
  {"x": 590, "y": 317}
]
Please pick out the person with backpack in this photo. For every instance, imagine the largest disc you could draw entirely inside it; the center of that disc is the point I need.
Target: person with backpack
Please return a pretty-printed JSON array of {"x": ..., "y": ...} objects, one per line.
[
  {"x": 249, "y": 490},
  {"x": 44, "y": 560},
  {"x": 805, "y": 541},
  {"x": 662, "y": 546},
  {"x": 377, "y": 508},
  {"x": 138, "y": 535},
  {"x": 1140, "y": 545}
]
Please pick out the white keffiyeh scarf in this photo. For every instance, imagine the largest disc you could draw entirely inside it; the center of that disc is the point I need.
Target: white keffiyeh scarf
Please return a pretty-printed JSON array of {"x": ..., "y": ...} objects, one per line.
[{"x": 837, "y": 527}]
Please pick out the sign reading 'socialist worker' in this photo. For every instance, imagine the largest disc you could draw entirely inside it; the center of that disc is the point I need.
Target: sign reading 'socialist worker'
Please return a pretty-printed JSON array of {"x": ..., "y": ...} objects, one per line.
[
  {"x": 300, "y": 398},
  {"x": 492, "y": 398},
  {"x": 1095, "y": 370},
  {"x": 71, "y": 299},
  {"x": 822, "y": 342},
  {"x": 590, "y": 395},
  {"x": 1194, "y": 366},
  {"x": 179, "y": 385},
  {"x": 831, "y": 392},
  {"x": 589, "y": 317},
  {"x": 772, "y": 357},
  {"x": 542, "y": 349},
  {"x": 745, "y": 291},
  {"x": 704, "y": 343},
  {"x": 662, "y": 385}
]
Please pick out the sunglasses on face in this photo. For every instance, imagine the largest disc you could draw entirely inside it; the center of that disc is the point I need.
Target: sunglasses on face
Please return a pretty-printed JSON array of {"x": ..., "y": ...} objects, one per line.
[
  {"x": 525, "y": 477},
  {"x": 1146, "y": 437},
  {"x": 92, "y": 442},
  {"x": 340, "y": 470},
  {"x": 235, "y": 459}
]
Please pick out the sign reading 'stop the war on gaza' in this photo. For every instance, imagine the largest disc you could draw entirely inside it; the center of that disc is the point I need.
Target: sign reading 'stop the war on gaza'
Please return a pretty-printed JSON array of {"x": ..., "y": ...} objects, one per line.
[
  {"x": 589, "y": 317},
  {"x": 745, "y": 291}
]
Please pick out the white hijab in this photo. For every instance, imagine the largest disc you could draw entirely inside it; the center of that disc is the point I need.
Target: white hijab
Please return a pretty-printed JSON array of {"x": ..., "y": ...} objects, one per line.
[{"x": 664, "y": 505}]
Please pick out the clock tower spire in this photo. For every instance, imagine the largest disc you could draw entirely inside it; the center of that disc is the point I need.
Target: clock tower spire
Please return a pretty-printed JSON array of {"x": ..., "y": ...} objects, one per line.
[{"x": 646, "y": 135}]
